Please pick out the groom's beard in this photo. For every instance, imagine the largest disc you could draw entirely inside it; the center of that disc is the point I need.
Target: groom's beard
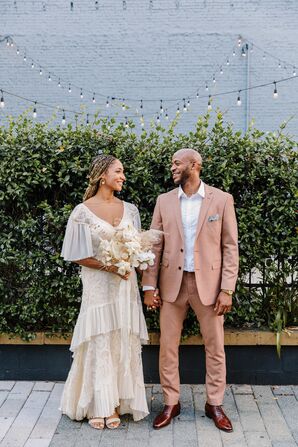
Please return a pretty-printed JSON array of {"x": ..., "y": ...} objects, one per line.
[{"x": 184, "y": 176}]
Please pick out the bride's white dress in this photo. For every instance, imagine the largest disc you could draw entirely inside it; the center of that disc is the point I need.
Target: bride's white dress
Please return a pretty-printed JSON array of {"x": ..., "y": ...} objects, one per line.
[{"x": 107, "y": 370}]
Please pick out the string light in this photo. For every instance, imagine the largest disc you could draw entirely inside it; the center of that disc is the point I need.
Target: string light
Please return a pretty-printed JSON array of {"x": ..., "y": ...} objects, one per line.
[
  {"x": 25, "y": 58},
  {"x": 2, "y": 103},
  {"x": 234, "y": 53},
  {"x": 141, "y": 104},
  {"x": 142, "y": 121},
  {"x": 49, "y": 77},
  {"x": 40, "y": 71},
  {"x": 158, "y": 120},
  {"x": 87, "y": 119},
  {"x": 275, "y": 94},
  {"x": 32, "y": 65},
  {"x": 7, "y": 42},
  {"x": 59, "y": 83},
  {"x": 166, "y": 116},
  {"x": 214, "y": 80},
  {"x": 221, "y": 70},
  {"x": 81, "y": 94},
  {"x": 294, "y": 71},
  {"x": 18, "y": 51},
  {"x": 178, "y": 110},
  {"x": 184, "y": 105},
  {"x": 243, "y": 53},
  {"x": 69, "y": 88},
  {"x": 264, "y": 56},
  {"x": 188, "y": 103},
  {"x": 228, "y": 61},
  {"x": 123, "y": 105},
  {"x": 93, "y": 98},
  {"x": 161, "y": 107},
  {"x": 34, "y": 110},
  {"x": 239, "y": 41},
  {"x": 197, "y": 95},
  {"x": 209, "y": 103},
  {"x": 279, "y": 64},
  {"x": 126, "y": 122},
  {"x": 107, "y": 103},
  {"x": 239, "y": 99},
  {"x": 63, "y": 118},
  {"x": 206, "y": 87}
]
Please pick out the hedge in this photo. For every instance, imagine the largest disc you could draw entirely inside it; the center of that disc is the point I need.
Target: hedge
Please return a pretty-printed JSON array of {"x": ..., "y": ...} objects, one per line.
[{"x": 43, "y": 176}]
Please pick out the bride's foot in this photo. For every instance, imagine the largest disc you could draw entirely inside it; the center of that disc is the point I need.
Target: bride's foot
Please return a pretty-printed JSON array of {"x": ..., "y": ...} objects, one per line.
[
  {"x": 113, "y": 421},
  {"x": 97, "y": 423}
]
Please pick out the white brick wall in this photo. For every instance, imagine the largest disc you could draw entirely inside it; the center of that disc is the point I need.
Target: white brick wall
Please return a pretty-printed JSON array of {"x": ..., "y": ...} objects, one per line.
[{"x": 157, "y": 52}]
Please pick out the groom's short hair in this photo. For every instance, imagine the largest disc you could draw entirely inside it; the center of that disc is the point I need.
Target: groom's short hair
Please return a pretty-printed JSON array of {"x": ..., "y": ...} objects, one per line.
[{"x": 192, "y": 153}]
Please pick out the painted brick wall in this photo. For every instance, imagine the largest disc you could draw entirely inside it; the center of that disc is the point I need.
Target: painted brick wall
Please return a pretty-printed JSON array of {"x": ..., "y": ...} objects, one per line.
[{"x": 159, "y": 49}]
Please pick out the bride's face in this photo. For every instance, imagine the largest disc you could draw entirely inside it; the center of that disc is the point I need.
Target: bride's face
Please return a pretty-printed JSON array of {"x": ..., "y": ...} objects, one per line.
[{"x": 114, "y": 176}]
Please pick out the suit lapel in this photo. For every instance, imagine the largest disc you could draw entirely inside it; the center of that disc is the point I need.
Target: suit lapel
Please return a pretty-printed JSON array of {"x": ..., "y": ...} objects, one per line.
[
  {"x": 177, "y": 212},
  {"x": 204, "y": 208}
]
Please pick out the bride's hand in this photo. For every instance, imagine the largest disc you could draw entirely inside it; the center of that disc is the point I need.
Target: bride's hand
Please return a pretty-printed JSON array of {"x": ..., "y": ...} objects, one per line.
[{"x": 114, "y": 269}]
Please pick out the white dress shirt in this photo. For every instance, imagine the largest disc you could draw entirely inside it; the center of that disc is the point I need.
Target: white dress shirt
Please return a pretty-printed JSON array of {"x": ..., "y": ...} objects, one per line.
[{"x": 190, "y": 212}]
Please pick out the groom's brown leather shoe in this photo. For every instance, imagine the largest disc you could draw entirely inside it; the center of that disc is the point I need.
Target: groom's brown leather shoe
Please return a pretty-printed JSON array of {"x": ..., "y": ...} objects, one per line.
[
  {"x": 219, "y": 417},
  {"x": 165, "y": 417}
]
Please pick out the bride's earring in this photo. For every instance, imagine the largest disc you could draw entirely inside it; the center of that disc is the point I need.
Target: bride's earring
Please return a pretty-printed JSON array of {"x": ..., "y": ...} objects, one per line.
[{"x": 102, "y": 181}]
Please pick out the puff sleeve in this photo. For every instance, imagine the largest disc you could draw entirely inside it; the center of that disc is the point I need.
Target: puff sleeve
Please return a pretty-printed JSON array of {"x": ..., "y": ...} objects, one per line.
[{"x": 77, "y": 243}]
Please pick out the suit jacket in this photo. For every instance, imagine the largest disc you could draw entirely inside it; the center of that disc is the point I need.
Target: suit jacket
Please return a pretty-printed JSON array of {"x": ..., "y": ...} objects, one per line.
[{"x": 215, "y": 250}]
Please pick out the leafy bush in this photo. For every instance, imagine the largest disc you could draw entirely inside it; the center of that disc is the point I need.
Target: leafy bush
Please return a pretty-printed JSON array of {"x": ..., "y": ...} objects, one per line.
[{"x": 43, "y": 176}]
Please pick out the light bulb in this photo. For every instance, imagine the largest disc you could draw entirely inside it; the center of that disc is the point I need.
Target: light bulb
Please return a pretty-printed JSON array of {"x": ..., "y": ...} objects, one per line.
[
  {"x": 7, "y": 42},
  {"x": 93, "y": 98},
  {"x": 11, "y": 43},
  {"x": 243, "y": 53},
  {"x": 239, "y": 41},
  {"x": 178, "y": 110},
  {"x": 228, "y": 61},
  {"x": 239, "y": 99},
  {"x": 184, "y": 106},
  {"x": 161, "y": 107},
  {"x": 81, "y": 94},
  {"x": 279, "y": 65},
  {"x": 2, "y": 103},
  {"x": 18, "y": 51},
  {"x": 166, "y": 116},
  {"x": 214, "y": 80},
  {"x": 49, "y": 78},
  {"x": 126, "y": 122},
  {"x": 206, "y": 87},
  {"x": 63, "y": 119},
  {"x": 209, "y": 103},
  {"x": 275, "y": 94},
  {"x": 264, "y": 56},
  {"x": 123, "y": 106},
  {"x": 32, "y": 65},
  {"x": 40, "y": 72},
  {"x": 158, "y": 120},
  {"x": 221, "y": 70},
  {"x": 234, "y": 53},
  {"x": 294, "y": 71},
  {"x": 87, "y": 119},
  {"x": 34, "y": 111},
  {"x": 197, "y": 95},
  {"x": 59, "y": 83},
  {"x": 25, "y": 58},
  {"x": 188, "y": 103},
  {"x": 69, "y": 88},
  {"x": 141, "y": 104},
  {"x": 142, "y": 121}
]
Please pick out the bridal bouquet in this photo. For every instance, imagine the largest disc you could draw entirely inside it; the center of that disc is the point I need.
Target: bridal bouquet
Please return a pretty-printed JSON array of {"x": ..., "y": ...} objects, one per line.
[{"x": 128, "y": 248}]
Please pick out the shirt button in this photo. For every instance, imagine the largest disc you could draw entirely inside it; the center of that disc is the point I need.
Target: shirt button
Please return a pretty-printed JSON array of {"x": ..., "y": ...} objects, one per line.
[{"x": 179, "y": 268}]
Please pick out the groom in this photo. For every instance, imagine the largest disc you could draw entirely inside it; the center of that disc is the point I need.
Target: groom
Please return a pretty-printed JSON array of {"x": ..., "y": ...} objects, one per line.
[{"x": 196, "y": 266}]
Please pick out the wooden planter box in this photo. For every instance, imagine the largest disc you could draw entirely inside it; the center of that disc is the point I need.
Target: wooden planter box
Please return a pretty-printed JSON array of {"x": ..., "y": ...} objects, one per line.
[{"x": 251, "y": 358}]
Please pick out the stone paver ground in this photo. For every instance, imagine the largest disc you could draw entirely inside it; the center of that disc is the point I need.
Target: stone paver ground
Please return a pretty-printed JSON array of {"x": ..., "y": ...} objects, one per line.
[{"x": 261, "y": 415}]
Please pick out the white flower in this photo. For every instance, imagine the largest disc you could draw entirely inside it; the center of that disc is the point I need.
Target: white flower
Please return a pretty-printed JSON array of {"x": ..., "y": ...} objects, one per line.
[{"x": 123, "y": 267}]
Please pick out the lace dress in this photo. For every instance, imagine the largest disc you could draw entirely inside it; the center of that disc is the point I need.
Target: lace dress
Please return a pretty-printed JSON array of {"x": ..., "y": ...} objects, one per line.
[{"x": 107, "y": 369}]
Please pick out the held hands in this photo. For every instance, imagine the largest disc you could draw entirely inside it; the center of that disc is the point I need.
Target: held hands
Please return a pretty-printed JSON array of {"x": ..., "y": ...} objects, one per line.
[
  {"x": 223, "y": 304},
  {"x": 152, "y": 299}
]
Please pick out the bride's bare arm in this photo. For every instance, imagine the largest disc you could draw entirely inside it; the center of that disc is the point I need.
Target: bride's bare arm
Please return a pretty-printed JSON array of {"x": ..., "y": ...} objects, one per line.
[{"x": 95, "y": 264}]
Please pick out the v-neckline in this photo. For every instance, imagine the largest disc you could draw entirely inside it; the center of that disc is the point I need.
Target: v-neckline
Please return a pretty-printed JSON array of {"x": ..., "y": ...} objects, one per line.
[{"x": 105, "y": 221}]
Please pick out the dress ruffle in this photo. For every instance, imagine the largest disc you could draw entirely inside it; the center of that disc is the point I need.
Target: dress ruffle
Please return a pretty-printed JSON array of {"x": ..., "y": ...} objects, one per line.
[
  {"x": 97, "y": 382},
  {"x": 105, "y": 318}
]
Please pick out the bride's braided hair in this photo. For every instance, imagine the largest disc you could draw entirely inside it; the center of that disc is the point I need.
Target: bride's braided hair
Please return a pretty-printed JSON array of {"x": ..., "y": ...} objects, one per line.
[{"x": 99, "y": 166}]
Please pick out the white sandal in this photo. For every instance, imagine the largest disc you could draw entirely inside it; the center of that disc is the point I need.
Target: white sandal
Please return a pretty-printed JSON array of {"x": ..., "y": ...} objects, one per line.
[
  {"x": 112, "y": 420},
  {"x": 97, "y": 423}
]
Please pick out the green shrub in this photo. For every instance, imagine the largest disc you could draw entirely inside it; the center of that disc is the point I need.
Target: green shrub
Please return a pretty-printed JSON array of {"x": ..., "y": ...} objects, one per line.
[{"x": 43, "y": 176}]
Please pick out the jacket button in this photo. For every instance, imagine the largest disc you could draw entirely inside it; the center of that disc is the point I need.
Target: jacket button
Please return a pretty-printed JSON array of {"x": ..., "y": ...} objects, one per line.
[
  {"x": 179, "y": 268},
  {"x": 181, "y": 249}
]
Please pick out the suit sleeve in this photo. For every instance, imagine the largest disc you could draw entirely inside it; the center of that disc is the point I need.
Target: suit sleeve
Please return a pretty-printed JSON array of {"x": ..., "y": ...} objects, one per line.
[
  {"x": 230, "y": 256},
  {"x": 150, "y": 276}
]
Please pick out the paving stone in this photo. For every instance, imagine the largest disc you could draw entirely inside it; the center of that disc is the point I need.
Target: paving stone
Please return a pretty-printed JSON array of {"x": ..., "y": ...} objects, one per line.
[
  {"x": 264, "y": 394},
  {"x": 282, "y": 389},
  {"x": 249, "y": 413},
  {"x": 67, "y": 424},
  {"x": 65, "y": 439},
  {"x": 236, "y": 437},
  {"x": 43, "y": 386},
  {"x": 3, "y": 396},
  {"x": 257, "y": 439},
  {"x": 38, "y": 443},
  {"x": 283, "y": 444},
  {"x": 242, "y": 389},
  {"x": 22, "y": 387},
  {"x": 26, "y": 420},
  {"x": 157, "y": 389},
  {"x": 6, "y": 385},
  {"x": 295, "y": 389},
  {"x": 289, "y": 409}
]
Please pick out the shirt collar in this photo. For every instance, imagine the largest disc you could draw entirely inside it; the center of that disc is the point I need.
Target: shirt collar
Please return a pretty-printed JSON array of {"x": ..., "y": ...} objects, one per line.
[{"x": 200, "y": 191}]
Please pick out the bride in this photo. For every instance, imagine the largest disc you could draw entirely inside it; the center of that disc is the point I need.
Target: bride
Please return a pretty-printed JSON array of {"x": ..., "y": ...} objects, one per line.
[{"x": 106, "y": 376}]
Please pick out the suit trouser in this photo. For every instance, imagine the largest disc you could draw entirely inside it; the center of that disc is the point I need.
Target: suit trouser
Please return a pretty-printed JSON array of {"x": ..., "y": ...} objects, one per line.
[{"x": 172, "y": 316}]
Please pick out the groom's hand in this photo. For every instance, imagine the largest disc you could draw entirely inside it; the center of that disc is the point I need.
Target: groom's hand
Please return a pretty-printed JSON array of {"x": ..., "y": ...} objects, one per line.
[
  {"x": 152, "y": 299},
  {"x": 223, "y": 304}
]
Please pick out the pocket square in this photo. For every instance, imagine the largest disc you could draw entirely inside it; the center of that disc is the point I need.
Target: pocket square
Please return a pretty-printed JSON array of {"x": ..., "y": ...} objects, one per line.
[{"x": 213, "y": 218}]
